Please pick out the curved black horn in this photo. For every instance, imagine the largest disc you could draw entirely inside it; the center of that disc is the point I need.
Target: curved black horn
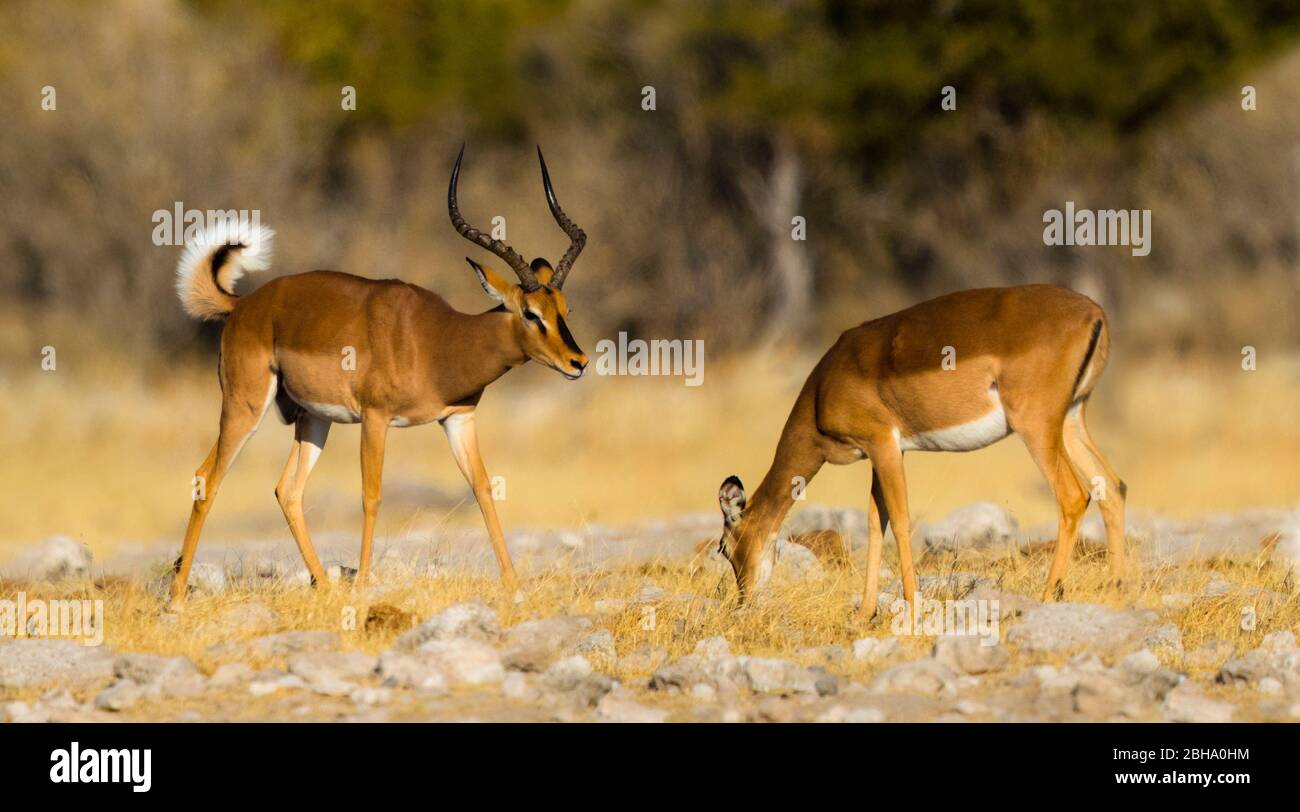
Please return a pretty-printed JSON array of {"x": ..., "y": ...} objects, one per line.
[
  {"x": 577, "y": 237},
  {"x": 505, "y": 252}
]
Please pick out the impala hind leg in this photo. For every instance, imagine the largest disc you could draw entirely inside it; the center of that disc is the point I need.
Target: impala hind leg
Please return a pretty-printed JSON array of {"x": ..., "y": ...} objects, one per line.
[
  {"x": 887, "y": 473},
  {"x": 1046, "y": 445},
  {"x": 240, "y": 417},
  {"x": 310, "y": 434},
  {"x": 374, "y": 433},
  {"x": 877, "y": 524},
  {"x": 1105, "y": 485},
  {"x": 463, "y": 438}
]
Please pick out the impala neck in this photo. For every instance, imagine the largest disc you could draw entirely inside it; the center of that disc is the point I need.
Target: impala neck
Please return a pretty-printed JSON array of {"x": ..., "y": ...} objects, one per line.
[
  {"x": 797, "y": 461},
  {"x": 491, "y": 339}
]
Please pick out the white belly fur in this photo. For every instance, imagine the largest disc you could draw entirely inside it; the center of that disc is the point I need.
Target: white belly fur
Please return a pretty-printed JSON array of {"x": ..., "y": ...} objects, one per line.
[
  {"x": 964, "y": 437},
  {"x": 330, "y": 411}
]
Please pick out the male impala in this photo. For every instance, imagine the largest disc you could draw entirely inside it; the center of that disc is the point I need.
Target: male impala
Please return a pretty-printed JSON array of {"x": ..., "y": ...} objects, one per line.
[
  {"x": 415, "y": 360},
  {"x": 1023, "y": 360}
]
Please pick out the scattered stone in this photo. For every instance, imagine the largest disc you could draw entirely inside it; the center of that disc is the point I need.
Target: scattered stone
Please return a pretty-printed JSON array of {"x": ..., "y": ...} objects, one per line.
[
  {"x": 535, "y": 644},
  {"x": 27, "y": 663},
  {"x": 768, "y": 675},
  {"x": 850, "y": 715},
  {"x": 266, "y": 684},
  {"x": 332, "y": 668},
  {"x": 464, "y": 660},
  {"x": 968, "y": 654},
  {"x": 1140, "y": 664},
  {"x": 282, "y": 644},
  {"x": 620, "y": 706},
  {"x": 17, "y": 712},
  {"x": 599, "y": 643},
  {"x": 712, "y": 648},
  {"x": 574, "y": 677},
  {"x": 340, "y": 573},
  {"x": 229, "y": 675},
  {"x": 206, "y": 578},
  {"x": 1167, "y": 638},
  {"x": 875, "y": 649},
  {"x": 1209, "y": 655},
  {"x": 925, "y": 677},
  {"x": 517, "y": 686},
  {"x": 976, "y": 526},
  {"x": 1282, "y": 642},
  {"x": 172, "y": 677},
  {"x": 405, "y": 670},
  {"x": 474, "y": 620},
  {"x": 1063, "y": 626},
  {"x": 1185, "y": 704},
  {"x": 119, "y": 696},
  {"x": 61, "y": 558},
  {"x": 1098, "y": 693},
  {"x": 970, "y": 707},
  {"x": 795, "y": 562},
  {"x": 826, "y": 683},
  {"x": 366, "y": 695}
]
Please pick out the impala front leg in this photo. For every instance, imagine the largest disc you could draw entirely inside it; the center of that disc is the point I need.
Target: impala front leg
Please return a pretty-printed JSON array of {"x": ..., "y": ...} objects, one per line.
[{"x": 463, "y": 438}]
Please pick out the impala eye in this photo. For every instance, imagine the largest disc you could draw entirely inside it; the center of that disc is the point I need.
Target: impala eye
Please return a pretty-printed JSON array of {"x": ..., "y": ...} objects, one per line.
[{"x": 535, "y": 319}]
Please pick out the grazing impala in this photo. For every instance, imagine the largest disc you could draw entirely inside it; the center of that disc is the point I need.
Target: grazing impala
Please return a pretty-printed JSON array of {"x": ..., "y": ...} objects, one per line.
[
  {"x": 413, "y": 360},
  {"x": 1022, "y": 359}
]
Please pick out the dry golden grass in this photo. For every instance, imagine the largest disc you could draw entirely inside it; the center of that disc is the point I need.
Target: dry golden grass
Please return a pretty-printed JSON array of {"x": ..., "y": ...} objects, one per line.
[{"x": 788, "y": 618}]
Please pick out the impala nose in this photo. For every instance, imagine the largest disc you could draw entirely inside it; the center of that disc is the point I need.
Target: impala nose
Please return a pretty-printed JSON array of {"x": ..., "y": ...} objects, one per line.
[{"x": 578, "y": 365}]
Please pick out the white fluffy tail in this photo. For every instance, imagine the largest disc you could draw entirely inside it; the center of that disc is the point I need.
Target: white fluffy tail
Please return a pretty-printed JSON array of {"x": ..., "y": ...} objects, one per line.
[{"x": 212, "y": 263}]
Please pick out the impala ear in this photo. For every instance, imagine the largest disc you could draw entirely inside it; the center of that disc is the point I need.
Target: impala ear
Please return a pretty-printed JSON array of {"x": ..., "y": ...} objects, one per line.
[
  {"x": 543, "y": 270},
  {"x": 493, "y": 285},
  {"x": 731, "y": 498}
]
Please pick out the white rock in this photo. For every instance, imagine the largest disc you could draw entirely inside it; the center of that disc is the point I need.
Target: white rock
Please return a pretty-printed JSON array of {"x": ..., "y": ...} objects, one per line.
[
  {"x": 1187, "y": 705},
  {"x": 412, "y": 670},
  {"x": 712, "y": 648},
  {"x": 970, "y": 655},
  {"x": 795, "y": 562},
  {"x": 119, "y": 696},
  {"x": 61, "y": 558},
  {"x": 365, "y": 695},
  {"x": 206, "y": 578},
  {"x": 473, "y": 620},
  {"x": 516, "y": 686},
  {"x": 1140, "y": 663},
  {"x": 851, "y": 715},
  {"x": 925, "y": 677},
  {"x": 975, "y": 526},
  {"x": 230, "y": 674},
  {"x": 465, "y": 661},
  {"x": 620, "y": 706},
  {"x": 269, "y": 686},
  {"x": 875, "y": 649},
  {"x": 1063, "y": 626},
  {"x": 28, "y": 663}
]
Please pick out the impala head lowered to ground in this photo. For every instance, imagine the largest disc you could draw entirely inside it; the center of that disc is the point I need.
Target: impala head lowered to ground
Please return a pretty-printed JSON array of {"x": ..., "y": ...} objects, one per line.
[{"x": 537, "y": 301}]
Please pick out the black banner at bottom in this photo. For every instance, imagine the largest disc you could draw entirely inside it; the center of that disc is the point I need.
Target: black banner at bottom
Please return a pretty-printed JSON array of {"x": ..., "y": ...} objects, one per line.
[{"x": 142, "y": 762}]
